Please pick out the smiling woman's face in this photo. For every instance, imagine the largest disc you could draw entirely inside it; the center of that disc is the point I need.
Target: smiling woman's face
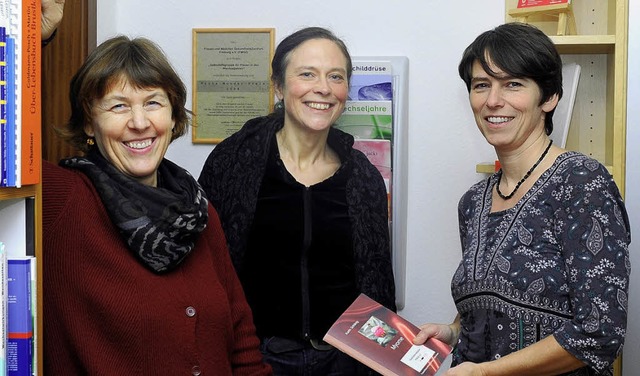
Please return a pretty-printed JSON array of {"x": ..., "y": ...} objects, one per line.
[
  {"x": 132, "y": 128},
  {"x": 507, "y": 109},
  {"x": 315, "y": 87}
]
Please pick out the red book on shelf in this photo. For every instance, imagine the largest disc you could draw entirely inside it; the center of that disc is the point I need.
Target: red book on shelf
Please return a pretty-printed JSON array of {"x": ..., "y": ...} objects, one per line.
[
  {"x": 31, "y": 85},
  {"x": 383, "y": 340},
  {"x": 535, "y": 3}
]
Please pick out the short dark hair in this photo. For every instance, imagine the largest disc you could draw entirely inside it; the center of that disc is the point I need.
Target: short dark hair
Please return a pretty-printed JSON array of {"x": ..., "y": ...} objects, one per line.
[
  {"x": 522, "y": 51},
  {"x": 287, "y": 45},
  {"x": 141, "y": 63}
]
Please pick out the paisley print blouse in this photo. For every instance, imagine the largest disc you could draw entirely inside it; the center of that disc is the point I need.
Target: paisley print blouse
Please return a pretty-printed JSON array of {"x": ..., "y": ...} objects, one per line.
[{"x": 557, "y": 263}]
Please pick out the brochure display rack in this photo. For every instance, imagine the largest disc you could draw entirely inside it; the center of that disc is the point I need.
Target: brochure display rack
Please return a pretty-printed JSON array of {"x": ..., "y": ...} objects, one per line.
[{"x": 376, "y": 115}]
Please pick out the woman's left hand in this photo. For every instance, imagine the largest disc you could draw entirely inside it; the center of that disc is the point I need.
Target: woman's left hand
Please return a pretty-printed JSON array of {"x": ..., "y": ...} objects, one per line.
[{"x": 466, "y": 369}]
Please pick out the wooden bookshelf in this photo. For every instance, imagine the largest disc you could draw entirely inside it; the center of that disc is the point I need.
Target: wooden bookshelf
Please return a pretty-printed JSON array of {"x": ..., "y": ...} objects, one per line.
[
  {"x": 16, "y": 202},
  {"x": 16, "y": 193},
  {"x": 7, "y": 196}
]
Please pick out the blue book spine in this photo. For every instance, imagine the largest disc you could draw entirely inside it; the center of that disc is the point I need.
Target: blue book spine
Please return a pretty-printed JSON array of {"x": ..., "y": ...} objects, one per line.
[
  {"x": 11, "y": 112},
  {"x": 20, "y": 321},
  {"x": 3, "y": 301},
  {"x": 3, "y": 105}
]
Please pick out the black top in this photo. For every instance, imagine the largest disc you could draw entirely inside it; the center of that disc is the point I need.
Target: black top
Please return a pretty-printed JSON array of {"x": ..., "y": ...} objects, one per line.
[
  {"x": 299, "y": 246},
  {"x": 232, "y": 178}
]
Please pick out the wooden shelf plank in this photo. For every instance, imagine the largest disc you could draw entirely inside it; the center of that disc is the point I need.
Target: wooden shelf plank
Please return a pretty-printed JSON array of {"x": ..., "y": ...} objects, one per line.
[
  {"x": 486, "y": 168},
  {"x": 584, "y": 44},
  {"x": 11, "y": 193}
]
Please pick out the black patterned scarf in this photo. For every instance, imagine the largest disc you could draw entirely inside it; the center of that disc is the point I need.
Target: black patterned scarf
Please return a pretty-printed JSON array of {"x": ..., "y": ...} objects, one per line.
[{"x": 160, "y": 224}]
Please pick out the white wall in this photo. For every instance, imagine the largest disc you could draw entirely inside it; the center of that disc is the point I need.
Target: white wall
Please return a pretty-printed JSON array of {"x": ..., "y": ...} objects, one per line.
[
  {"x": 444, "y": 144},
  {"x": 631, "y": 358}
]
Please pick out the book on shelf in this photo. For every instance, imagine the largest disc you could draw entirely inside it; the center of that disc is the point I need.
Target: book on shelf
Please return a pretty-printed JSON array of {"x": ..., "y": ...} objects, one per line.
[
  {"x": 537, "y": 3},
  {"x": 383, "y": 340},
  {"x": 14, "y": 97},
  {"x": 14, "y": 229},
  {"x": 30, "y": 121},
  {"x": 4, "y": 24},
  {"x": 9, "y": 11},
  {"x": 3, "y": 91},
  {"x": 3, "y": 309},
  {"x": 34, "y": 312},
  {"x": 9, "y": 141},
  {"x": 19, "y": 356},
  {"x": 9, "y": 130},
  {"x": 23, "y": 102}
]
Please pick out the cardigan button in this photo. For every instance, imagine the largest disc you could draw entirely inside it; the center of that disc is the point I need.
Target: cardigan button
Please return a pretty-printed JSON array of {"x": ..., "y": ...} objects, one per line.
[
  {"x": 195, "y": 371},
  {"x": 190, "y": 311}
]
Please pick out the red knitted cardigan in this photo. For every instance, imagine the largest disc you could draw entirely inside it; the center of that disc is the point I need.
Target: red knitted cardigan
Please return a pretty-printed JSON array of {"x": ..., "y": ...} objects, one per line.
[{"x": 106, "y": 314}]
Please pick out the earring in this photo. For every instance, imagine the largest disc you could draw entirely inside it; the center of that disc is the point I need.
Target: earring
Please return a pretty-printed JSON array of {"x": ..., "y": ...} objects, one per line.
[
  {"x": 279, "y": 105},
  {"x": 90, "y": 141}
]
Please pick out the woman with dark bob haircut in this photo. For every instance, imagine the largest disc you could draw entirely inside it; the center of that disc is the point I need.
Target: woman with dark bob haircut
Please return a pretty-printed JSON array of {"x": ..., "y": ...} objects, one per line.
[
  {"x": 535, "y": 57},
  {"x": 542, "y": 286},
  {"x": 137, "y": 273},
  {"x": 305, "y": 213}
]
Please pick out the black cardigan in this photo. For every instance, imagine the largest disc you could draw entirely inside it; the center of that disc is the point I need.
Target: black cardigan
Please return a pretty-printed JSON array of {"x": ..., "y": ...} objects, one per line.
[{"x": 232, "y": 176}]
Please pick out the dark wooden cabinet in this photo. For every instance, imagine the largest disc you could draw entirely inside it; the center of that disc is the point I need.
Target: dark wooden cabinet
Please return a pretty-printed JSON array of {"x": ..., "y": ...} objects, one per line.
[{"x": 61, "y": 58}]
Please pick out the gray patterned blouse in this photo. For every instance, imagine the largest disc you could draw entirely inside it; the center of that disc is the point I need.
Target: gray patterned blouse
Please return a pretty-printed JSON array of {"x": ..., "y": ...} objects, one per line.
[{"x": 557, "y": 263}]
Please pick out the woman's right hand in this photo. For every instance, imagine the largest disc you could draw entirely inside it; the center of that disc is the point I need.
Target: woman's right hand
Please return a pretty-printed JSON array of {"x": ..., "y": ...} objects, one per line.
[
  {"x": 52, "y": 11},
  {"x": 443, "y": 332}
]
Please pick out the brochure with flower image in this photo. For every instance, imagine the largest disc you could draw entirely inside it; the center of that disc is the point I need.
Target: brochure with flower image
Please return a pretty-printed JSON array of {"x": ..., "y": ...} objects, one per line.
[{"x": 383, "y": 340}]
